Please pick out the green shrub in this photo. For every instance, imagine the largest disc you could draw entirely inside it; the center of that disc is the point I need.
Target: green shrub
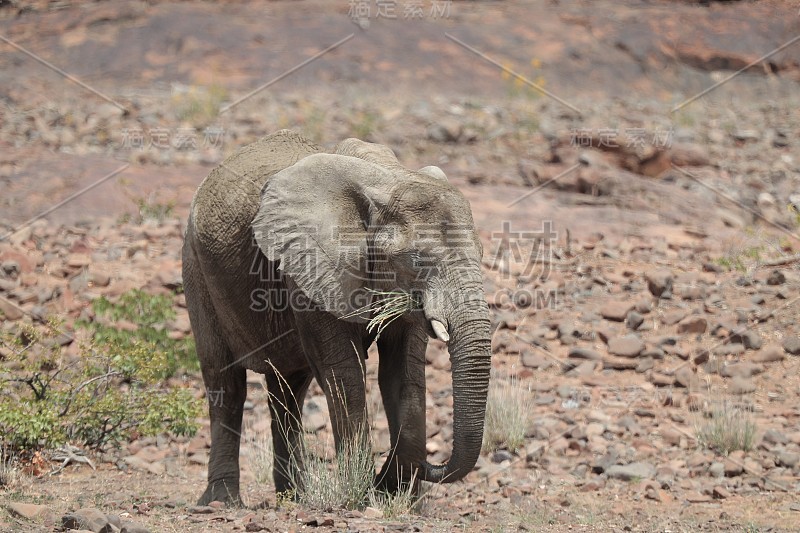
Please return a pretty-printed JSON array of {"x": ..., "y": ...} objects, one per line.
[
  {"x": 111, "y": 391},
  {"x": 150, "y": 313}
]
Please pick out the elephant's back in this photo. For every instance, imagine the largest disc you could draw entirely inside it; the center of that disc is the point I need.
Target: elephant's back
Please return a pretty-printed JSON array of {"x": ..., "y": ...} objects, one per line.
[{"x": 228, "y": 198}]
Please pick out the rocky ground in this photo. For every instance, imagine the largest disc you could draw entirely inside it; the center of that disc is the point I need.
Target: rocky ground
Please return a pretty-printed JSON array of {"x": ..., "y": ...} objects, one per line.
[{"x": 641, "y": 253}]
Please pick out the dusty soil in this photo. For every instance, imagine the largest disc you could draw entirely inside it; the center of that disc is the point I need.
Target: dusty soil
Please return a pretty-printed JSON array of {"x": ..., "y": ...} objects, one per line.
[{"x": 667, "y": 285}]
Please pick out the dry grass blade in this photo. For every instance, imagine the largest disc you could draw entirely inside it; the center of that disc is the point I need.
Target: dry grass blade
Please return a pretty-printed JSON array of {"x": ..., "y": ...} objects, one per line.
[{"x": 385, "y": 307}]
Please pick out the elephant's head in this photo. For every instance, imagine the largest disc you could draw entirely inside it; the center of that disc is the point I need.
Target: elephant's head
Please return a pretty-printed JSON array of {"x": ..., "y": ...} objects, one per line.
[{"x": 340, "y": 225}]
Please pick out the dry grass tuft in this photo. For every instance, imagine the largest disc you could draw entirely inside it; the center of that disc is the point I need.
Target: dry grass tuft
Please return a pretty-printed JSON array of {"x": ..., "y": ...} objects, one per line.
[
  {"x": 343, "y": 482},
  {"x": 727, "y": 427},
  {"x": 508, "y": 407},
  {"x": 260, "y": 456}
]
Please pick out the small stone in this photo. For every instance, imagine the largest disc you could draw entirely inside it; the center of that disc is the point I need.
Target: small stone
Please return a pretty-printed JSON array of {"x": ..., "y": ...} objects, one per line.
[
  {"x": 693, "y": 324},
  {"x": 133, "y": 527},
  {"x": 201, "y": 509},
  {"x": 447, "y": 130},
  {"x": 659, "y": 282},
  {"x": 769, "y": 354},
  {"x": 697, "y": 497},
  {"x": 701, "y": 357},
  {"x": 644, "y": 306},
  {"x": 685, "y": 377},
  {"x": 673, "y": 316},
  {"x": 792, "y": 344},
  {"x": 531, "y": 359},
  {"x": 720, "y": 492},
  {"x": 659, "y": 495},
  {"x": 592, "y": 485},
  {"x": 693, "y": 292},
  {"x": 729, "y": 349},
  {"x": 90, "y": 519},
  {"x": 774, "y": 436},
  {"x": 9, "y": 311},
  {"x": 750, "y": 339},
  {"x": 99, "y": 279},
  {"x": 687, "y": 154},
  {"x": 10, "y": 268},
  {"x": 620, "y": 363},
  {"x": 577, "y": 352},
  {"x": 371, "y": 513},
  {"x": 788, "y": 459},
  {"x": 616, "y": 311},
  {"x": 745, "y": 369},
  {"x": 671, "y": 436},
  {"x": 741, "y": 385},
  {"x": 716, "y": 469},
  {"x": 627, "y": 346},
  {"x": 634, "y": 320},
  {"x": 78, "y": 260},
  {"x": 584, "y": 369},
  {"x": 501, "y": 455},
  {"x": 661, "y": 380},
  {"x": 776, "y": 277},
  {"x": 639, "y": 470},
  {"x": 746, "y": 135},
  {"x": 645, "y": 364},
  {"x": 29, "y": 511},
  {"x": 733, "y": 467}
]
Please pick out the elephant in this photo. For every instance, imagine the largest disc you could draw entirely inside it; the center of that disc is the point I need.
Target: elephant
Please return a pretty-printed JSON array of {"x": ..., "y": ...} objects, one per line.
[{"x": 283, "y": 245}]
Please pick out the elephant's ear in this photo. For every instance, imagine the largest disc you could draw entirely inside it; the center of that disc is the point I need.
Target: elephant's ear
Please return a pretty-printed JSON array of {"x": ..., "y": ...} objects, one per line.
[{"x": 313, "y": 220}]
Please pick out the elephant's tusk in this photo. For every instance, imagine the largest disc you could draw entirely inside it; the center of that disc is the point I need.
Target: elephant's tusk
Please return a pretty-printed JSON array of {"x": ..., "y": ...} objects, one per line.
[{"x": 440, "y": 330}]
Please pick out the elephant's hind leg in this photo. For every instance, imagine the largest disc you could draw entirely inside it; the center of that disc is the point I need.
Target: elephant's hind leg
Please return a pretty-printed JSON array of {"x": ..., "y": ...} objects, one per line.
[
  {"x": 225, "y": 389},
  {"x": 286, "y": 395}
]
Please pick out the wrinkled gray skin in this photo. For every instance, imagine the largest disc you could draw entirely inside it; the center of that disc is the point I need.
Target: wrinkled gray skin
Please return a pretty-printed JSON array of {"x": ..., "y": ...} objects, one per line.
[{"x": 247, "y": 248}]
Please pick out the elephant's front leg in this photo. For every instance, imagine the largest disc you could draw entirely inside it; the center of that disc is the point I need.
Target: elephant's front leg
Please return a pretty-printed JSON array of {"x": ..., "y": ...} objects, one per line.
[
  {"x": 286, "y": 395},
  {"x": 335, "y": 351},
  {"x": 401, "y": 376}
]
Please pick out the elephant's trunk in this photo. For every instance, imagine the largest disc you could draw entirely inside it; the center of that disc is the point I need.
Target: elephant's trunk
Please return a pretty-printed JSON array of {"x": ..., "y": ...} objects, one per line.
[{"x": 467, "y": 317}]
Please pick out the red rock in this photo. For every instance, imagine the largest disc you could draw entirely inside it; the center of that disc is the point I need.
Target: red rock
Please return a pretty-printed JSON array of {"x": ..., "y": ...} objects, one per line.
[
  {"x": 10, "y": 310},
  {"x": 627, "y": 346},
  {"x": 592, "y": 485},
  {"x": 661, "y": 380},
  {"x": 693, "y": 324},
  {"x": 29, "y": 511},
  {"x": 673, "y": 317},
  {"x": 22, "y": 260},
  {"x": 78, "y": 260},
  {"x": 619, "y": 363},
  {"x": 696, "y": 497},
  {"x": 769, "y": 354},
  {"x": 616, "y": 311},
  {"x": 721, "y": 492}
]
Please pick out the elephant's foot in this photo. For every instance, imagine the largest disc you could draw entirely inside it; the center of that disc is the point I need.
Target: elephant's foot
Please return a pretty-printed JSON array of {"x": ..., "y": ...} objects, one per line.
[
  {"x": 222, "y": 491},
  {"x": 390, "y": 482}
]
